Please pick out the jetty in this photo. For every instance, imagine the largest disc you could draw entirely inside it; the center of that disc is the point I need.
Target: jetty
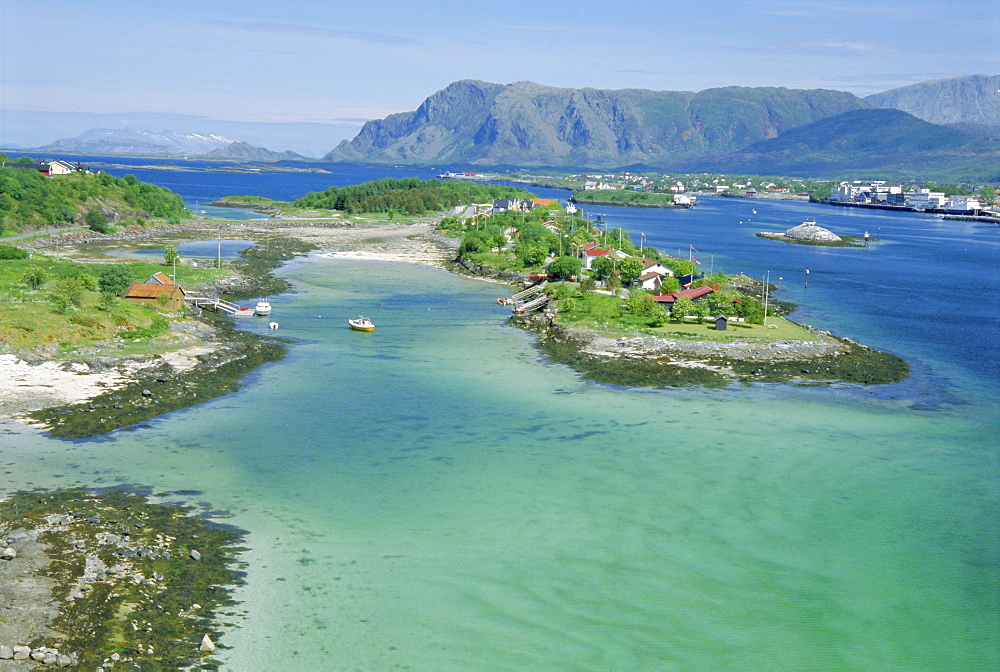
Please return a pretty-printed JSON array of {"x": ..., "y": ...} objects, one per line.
[
  {"x": 220, "y": 305},
  {"x": 528, "y": 299}
]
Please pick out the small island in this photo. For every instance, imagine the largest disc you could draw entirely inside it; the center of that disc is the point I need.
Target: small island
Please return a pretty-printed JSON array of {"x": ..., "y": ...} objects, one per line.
[
  {"x": 632, "y": 198},
  {"x": 808, "y": 233}
]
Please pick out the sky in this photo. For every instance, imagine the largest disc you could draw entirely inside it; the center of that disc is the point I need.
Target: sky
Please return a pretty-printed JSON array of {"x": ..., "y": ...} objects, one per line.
[{"x": 304, "y": 74}]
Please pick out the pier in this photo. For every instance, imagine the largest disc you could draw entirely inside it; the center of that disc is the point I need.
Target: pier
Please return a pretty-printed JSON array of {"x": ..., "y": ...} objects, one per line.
[{"x": 219, "y": 305}]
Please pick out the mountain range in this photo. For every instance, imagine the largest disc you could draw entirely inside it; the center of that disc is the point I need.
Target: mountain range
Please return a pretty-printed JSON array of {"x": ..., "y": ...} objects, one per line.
[
  {"x": 128, "y": 141},
  {"x": 813, "y": 132},
  {"x": 943, "y": 129}
]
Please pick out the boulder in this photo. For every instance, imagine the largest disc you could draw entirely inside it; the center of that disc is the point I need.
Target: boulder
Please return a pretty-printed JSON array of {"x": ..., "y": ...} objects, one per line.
[
  {"x": 207, "y": 645},
  {"x": 8, "y": 553},
  {"x": 6, "y": 653}
]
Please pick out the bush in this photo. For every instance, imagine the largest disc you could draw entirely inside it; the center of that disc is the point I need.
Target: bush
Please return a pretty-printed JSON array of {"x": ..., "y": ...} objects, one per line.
[
  {"x": 115, "y": 279},
  {"x": 8, "y": 251},
  {"x": 96, "y": 220},
  {"x": 33, "y": 277}
]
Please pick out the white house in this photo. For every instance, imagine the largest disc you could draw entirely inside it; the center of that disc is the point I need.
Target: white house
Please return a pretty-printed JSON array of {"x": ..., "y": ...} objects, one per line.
[{"x": 963, "y": 204}]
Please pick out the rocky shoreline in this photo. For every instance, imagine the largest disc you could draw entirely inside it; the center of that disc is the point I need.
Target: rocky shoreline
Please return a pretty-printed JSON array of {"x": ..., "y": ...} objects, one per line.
[
  {"x": 675, "y": 362},
  {"x": 111, "y": 580}
]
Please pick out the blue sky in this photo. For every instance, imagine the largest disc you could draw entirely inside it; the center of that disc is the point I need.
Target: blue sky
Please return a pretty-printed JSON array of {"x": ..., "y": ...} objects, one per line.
[{"x": 67, "y": 65}]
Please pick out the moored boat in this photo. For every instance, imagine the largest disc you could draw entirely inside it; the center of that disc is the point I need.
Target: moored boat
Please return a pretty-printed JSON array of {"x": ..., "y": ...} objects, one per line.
[
  {"x": 361, "y": 324},
  {"x": 263, "y": 308}
]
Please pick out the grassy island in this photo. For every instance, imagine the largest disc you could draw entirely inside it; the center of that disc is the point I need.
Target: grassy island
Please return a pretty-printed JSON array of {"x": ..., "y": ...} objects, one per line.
[{"x": 627, "y": 198}]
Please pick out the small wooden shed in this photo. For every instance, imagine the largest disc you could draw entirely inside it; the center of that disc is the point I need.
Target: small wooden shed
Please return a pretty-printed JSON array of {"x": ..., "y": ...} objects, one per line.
[
  {"x": 721, "y": 322},
  {"x": 148, "y": 293}
]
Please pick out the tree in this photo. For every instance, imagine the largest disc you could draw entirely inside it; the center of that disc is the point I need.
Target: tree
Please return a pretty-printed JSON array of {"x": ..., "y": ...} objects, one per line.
[
  {"x": 96, "y": 220},
  {"x": 683, "y": 307},
  {"x": 752, "y": 311},
  {"x": 472, "y": 242},
  {"x": 170, "y": 255},
  {"x": 700, "y": 310},
  {"x": 565, "y": 267},
  {"x": 530, "y": 254},
  {"x": 33, "y": 277},
  {"x": 641, "y": 303},
  {"x": 629, "y": 269},
  {"x": 87, "y": 281},
  {"x": 67, "y": 292},
  {"x": 114, "y": 279},
  {"x": 719, "y": 304},
  {"x": 603, "y": 267},
  {"x": 669, "y": 284},
  {"x": 107, "y": 301}
]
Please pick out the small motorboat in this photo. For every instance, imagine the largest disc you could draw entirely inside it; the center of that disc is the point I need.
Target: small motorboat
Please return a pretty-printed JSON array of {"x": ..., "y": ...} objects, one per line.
[
  {"x": 243, "y": 312},
  {"x": 361, "y": 324},
  {"x": 263, "y": 308}
]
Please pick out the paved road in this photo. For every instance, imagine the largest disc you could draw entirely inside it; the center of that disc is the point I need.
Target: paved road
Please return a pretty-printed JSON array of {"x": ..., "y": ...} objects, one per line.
[{"x": 49, "y": 232}]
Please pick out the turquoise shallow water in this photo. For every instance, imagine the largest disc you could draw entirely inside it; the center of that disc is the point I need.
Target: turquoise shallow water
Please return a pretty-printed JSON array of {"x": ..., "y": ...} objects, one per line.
[{"x": 433, "y": 496}]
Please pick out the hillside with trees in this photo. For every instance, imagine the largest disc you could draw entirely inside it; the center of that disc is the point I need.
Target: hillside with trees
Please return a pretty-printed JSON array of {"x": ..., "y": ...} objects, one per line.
[
  {"x": 409, "y": 196},
  {"x": 30, "y": 200}
]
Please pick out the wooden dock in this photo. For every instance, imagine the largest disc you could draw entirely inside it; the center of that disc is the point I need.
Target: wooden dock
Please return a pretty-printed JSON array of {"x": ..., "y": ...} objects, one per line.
[{"x": 220, "y": 305}]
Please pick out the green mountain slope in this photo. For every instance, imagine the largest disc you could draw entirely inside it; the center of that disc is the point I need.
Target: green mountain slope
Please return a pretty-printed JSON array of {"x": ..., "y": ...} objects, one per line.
[
  {"x": 473, "y": 122},
  {"x": 886, "y": 142}
]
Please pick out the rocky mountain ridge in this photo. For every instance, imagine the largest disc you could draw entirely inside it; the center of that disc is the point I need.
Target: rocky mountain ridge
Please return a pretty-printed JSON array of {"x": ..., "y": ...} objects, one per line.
[{"x": 524, "y": 123}]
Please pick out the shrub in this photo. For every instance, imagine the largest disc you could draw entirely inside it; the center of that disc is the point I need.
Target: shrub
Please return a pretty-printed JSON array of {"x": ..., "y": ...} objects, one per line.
[
  {"x": 33, "y": 277},
  {"x": 8, "y": 251},
  {"x": 96, "y": 220},
  {"x": 115, "y": 279}
]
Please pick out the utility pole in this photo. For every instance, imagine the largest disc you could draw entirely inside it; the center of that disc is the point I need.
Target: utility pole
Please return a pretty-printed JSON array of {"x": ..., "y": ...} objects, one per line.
[{"x": 767, "y": 294}]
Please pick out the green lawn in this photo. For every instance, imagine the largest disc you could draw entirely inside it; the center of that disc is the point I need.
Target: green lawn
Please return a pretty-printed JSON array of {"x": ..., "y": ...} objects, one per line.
[
  {"x": 605, "y": 314},
  {"x": 777, "y": 327}
]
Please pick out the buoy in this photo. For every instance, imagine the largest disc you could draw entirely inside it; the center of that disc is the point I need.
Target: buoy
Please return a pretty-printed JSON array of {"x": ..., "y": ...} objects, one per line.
[{"x": 273, "y": 325}]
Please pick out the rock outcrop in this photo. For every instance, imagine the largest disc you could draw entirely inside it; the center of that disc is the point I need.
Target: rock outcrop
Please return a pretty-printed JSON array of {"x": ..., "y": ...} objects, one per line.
[{"x": 811, "y": 232}]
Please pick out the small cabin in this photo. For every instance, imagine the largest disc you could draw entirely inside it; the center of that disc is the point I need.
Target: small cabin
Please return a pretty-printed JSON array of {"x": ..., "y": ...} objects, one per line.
[
  {"x": 721, "y": 323},
  {"x": 149, "y": 292}
]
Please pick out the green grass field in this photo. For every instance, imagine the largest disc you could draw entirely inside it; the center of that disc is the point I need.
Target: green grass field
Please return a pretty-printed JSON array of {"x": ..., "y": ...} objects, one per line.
[
  {"x": 605, "y": 314},
  {"x": 30, "y": 320}
]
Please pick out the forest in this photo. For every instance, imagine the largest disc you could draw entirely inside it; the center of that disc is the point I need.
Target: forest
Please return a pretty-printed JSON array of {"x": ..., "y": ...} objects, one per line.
[{"x": 408, "y": 196}]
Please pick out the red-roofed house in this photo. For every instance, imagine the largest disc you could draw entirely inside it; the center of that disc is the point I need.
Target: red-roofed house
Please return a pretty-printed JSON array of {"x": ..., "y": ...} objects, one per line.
[{"x": 693, "y": 294}]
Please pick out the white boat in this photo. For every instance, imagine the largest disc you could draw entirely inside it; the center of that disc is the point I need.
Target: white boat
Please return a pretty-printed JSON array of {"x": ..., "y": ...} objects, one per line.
[
  {"x": 361, "y": 324},
  {"x": 263, "y": 308}
]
